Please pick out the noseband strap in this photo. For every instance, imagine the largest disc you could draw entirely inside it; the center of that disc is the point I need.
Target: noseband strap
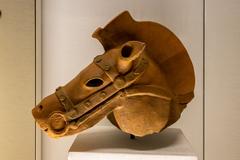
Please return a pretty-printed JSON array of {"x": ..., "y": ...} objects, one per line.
[{"x": 64, "y": 99}]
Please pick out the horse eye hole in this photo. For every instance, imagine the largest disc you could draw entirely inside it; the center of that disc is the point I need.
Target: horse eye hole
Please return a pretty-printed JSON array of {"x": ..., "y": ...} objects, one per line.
[
  {"x": 94, "y": 82},
  {"x": 126, "y": 51}
]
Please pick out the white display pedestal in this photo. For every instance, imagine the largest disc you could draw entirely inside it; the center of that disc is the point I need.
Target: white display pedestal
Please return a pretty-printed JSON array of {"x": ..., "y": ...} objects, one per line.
[{"x": 108, "y": 143}]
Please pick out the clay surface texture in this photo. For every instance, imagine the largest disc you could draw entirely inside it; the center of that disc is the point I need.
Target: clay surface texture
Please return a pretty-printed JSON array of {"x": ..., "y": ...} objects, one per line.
[{"x": 142, "y": 83}]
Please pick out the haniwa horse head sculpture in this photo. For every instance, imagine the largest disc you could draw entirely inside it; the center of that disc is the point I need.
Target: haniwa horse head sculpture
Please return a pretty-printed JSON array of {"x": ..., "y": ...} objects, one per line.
[{"x": 142, "y": 83}]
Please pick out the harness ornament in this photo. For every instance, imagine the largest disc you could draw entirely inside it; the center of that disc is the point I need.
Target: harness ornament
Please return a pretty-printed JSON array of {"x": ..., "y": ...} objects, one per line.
[{"x": 141, "y": 83}]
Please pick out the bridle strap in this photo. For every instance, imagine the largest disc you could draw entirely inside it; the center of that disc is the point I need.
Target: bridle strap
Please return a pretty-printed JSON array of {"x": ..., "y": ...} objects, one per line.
[
  {"x": 64, "y": 99},
  {"x": 90, "y": 102},
  {"x": 106, "y": 66},
  {"x": 115, "y": 101},
  {"x": 119, "y": 83}
]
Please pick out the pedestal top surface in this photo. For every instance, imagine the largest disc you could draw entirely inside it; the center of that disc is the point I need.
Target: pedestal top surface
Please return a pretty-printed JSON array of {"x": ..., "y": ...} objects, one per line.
[{"x": 100, "y": 143}]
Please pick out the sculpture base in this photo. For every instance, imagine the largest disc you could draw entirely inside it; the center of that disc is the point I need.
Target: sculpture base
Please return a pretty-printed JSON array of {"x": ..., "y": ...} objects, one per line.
[{"x": 108, "y": 143}]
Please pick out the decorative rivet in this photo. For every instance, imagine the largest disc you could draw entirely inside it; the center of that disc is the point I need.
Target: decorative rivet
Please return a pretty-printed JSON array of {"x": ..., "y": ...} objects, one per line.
[
  {"x": 87, "y": 103},
  {"x": 98, "y": 59},
  {"x": 119, "y": 83},
  {"x": 62, "y": 98},
  {"x": 103, "y": 94},
  {"x": 106, "y": 67}
]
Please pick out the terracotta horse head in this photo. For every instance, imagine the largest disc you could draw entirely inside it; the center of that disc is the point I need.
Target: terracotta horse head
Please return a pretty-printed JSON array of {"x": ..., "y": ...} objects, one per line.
[{"x": 142, "y": 83}]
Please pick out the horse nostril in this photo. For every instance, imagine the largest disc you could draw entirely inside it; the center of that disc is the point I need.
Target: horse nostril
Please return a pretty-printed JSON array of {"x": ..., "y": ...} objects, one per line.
[
  {"x": 40, "y": 107},
  {"x": 46, "y": 129}
]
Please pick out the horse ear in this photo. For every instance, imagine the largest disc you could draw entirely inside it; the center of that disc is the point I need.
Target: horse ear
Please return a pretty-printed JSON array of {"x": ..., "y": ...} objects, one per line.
[{"x": 129, "y": 51}]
